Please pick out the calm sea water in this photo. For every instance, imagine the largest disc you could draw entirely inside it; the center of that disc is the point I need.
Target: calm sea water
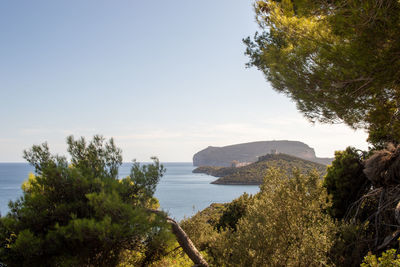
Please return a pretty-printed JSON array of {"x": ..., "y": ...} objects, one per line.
[{"x": 180, "y": 192}]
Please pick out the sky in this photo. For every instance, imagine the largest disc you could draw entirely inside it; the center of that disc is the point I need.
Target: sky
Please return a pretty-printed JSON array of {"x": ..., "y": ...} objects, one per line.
[{"x": 163, "y": 78}]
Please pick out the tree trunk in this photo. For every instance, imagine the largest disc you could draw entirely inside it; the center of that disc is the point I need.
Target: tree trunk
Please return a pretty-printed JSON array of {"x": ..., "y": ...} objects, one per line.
[{"x": 184, "y": 241}]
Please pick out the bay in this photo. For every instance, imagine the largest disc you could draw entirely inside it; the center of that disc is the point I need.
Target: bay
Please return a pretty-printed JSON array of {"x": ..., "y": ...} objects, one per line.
[{"x": 180, "y": 192}]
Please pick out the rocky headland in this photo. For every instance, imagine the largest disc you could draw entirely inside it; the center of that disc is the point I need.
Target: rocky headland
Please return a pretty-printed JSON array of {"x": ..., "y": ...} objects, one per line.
[{"x": 250, "y": 152}]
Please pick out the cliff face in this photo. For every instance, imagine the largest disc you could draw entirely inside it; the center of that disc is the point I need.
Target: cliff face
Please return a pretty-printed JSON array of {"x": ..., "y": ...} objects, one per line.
[{"x": 249, "y": 152}]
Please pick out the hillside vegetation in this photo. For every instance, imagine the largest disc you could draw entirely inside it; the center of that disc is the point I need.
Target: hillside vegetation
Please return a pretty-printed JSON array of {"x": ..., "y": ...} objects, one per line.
[
  {"x": 282, "y": 225},
  {"x": 253, "y": 174}
]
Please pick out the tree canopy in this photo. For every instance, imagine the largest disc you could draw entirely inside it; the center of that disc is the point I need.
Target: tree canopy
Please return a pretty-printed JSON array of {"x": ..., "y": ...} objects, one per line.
[
  {"x": 338, "y": 60},
  {"x": 78, "y": 213}
]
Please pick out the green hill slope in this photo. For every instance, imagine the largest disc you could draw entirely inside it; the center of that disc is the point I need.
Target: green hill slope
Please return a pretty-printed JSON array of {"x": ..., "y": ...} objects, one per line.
[{"x": 254, "y": 173}]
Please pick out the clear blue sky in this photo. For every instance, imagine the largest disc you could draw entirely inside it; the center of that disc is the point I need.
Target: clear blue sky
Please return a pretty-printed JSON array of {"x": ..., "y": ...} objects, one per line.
[{"x": 164, "y": 78}]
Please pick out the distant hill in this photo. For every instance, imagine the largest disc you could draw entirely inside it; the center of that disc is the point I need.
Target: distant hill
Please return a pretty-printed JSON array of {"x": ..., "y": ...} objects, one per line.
[
  {"x": 253, "y": 174},
  {"x": 249, "y": 152}
]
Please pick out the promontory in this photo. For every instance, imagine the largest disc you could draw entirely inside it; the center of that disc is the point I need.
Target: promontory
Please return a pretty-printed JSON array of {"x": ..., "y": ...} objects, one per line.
[{"x": 250, "y": 152}]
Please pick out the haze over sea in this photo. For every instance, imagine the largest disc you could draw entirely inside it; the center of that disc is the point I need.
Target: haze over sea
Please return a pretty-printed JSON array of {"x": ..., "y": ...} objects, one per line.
[{"x": 180, "y": 192}]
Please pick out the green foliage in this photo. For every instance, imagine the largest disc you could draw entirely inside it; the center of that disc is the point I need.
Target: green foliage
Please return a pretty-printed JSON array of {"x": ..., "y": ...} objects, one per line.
[
  {"x": 170, "y": 255},
  {"x": 81, "y": 214},
  {"x": 233, "y": 212},
  {"x": 349, "y": 246},
  {"x": 254, "y": 173},
  {"x": 389, "y": 258},
  {"x": 386, "y": 127},
  {"x": 345, "y": 181},
  {"x": 283, "y": 225},
  {"x": 201, "y": 228},
  {"x": 286, "y": 225},
  {"x": 337, "y": 59}
]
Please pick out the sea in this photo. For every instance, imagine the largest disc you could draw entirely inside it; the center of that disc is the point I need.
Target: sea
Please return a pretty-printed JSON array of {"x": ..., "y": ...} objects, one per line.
[{"x": 180, "y": 192}]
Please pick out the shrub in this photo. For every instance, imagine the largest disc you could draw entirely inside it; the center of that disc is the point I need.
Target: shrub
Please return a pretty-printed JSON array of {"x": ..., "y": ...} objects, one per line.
[
  {"x": 345, "y": 181},
  {"x": 285, "y": 226}
]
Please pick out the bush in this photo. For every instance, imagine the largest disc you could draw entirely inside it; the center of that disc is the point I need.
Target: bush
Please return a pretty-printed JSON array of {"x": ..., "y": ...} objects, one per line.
[
  {"x": 285, "y": 225},
  {"x": 233, "y": 212},
  {"x": 345, "y": 181},
  {"x": 389, "y": 258}
]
